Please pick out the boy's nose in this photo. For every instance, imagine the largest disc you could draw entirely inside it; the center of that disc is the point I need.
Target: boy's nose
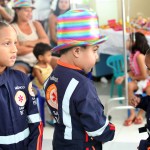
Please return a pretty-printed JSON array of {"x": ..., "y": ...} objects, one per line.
[{"x": 14, "y": 49}]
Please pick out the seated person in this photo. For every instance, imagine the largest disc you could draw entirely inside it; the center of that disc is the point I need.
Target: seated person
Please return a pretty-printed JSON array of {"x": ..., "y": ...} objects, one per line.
[
  {"x": 29, "y": 34},
  {"x": 137, "y": 44},
  {"x": 144, "y": 103}
]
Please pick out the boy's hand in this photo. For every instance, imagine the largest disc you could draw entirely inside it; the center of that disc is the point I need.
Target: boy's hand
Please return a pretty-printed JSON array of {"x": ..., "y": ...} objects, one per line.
[
  {"x": 119, "y": 80},
  {"x": 134, "y": 101}
]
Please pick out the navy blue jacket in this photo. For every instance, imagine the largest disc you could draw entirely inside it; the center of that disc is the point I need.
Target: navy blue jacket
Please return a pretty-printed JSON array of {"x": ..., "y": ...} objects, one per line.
[
  {"x": 20, "y": 124},
  {"x": 145, "y": 105},
  {"x": 79, "y": 114}
]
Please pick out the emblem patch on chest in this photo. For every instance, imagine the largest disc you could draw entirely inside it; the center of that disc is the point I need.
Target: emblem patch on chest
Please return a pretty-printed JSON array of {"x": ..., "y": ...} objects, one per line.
[
  {"x": 51, "y": 96},
  {"x": 20, "y": 98}
]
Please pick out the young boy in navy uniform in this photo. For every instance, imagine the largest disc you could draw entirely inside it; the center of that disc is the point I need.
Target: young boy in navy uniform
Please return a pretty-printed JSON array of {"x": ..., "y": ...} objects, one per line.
[
  {"x": 21, "y": 127},
  {"x": 71, "y": 96},
  {"x": 144, "y": 103}
]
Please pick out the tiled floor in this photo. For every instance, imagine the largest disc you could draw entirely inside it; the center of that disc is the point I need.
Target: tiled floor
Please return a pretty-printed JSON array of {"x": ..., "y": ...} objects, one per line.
[{"x": 126, "y": 138}]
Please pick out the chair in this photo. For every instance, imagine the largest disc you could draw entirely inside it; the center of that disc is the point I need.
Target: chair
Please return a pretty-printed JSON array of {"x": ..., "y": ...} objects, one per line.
[{"x": 116, "y": 62}]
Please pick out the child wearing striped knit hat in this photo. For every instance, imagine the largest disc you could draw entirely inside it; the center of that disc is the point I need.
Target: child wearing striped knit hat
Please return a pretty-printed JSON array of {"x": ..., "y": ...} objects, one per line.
[{"x": 80, "y": 123}]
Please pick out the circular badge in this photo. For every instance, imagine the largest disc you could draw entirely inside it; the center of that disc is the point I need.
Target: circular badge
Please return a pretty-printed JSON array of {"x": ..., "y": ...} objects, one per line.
[
  {"x": 31, "y": 89},
  {"x": 20, "y": 98},
  {"x": 51, "y": 96}
]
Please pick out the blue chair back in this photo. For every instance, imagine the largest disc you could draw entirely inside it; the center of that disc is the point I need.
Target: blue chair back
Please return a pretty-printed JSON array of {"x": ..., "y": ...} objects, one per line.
[{"x": 116, "y": 62}]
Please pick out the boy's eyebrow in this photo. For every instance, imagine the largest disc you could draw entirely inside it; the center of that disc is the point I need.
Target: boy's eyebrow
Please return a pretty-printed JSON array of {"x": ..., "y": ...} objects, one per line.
[{"x": 97, "y": 46}]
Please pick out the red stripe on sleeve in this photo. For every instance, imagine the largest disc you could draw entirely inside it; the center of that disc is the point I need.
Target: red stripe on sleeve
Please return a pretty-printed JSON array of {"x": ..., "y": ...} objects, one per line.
[
  {"x": 86, "y": 140},
  {"x": 111, "y": 126},
  {"x": 39, "y": 142}
]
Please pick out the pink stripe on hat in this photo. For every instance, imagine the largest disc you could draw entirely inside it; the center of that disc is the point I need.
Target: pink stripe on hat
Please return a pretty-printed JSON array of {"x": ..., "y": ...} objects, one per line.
[{"x": 78, "y": 27}]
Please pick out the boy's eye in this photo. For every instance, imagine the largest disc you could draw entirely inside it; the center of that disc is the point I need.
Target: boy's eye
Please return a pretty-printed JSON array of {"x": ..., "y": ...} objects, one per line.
[
  {"x": 96, "y": 49},
  {"x": 7, "y": 43}
]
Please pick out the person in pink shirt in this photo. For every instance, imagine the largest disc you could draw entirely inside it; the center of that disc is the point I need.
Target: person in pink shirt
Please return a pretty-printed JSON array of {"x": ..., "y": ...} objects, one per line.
[{"x": 137, "y": 76}]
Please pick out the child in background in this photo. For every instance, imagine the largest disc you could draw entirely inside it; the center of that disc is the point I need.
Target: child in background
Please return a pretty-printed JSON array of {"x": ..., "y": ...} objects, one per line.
[
  {"x": 21, "y": 126},
  {"x": 144, "y": 103},
  {"x": 29, "y": 33},
  {"x": 137, "y": 45},
  {"x": 43, "y": 69},
  {"x": 70, "y": 95}
]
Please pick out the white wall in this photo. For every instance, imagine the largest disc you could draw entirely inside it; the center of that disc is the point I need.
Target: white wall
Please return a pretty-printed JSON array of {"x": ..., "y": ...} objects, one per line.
[
  {"x": 112, "y": 9},
  {"x": 106, "y": 9},
  {"x": 42, "y": 9}
]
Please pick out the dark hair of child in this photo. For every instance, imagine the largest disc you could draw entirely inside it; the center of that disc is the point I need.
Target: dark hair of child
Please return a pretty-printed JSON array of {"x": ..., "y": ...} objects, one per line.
[
  {"x": 41, "y": 49},
  {"x": 140, "y": 42}
]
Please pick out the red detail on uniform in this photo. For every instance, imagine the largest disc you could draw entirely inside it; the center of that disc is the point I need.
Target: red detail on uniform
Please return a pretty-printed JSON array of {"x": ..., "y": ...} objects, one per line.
[
  {"x": 86, "y": 140},
  {"x": 54, "y": 97},
  {"x": 111, "y": 126},
  {"x": 148, "y": 148},
  {"x": 39, "y": 142},
  {"x": 20, "y": 98}
]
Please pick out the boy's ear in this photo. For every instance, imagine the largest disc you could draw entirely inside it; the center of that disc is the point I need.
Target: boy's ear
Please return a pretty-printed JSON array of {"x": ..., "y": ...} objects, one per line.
[
  {"x": 76, "y": 51},
  {"x": 40, "y": 57}
]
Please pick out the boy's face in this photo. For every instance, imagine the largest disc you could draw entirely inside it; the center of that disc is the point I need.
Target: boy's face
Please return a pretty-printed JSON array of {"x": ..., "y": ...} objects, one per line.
[
  {"x": 88, "y": 57},
  {"x": 147, "y": 62},
  {"x": 8, "y": 50},
  {"x": 47, "y": 57}
]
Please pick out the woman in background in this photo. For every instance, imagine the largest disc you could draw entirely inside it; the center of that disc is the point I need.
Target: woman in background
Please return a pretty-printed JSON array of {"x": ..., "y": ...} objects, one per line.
[
  {"x": 61, "y": 7},
  {"x": 29, "y": 34}
]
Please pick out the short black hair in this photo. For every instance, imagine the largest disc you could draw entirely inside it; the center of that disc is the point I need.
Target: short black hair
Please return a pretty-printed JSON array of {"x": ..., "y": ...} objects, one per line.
[{"x": 41, "y": 49}]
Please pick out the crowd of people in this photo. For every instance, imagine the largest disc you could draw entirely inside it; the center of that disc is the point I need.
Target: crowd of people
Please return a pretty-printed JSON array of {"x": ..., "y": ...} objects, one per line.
[{"x": 28, "y": 47}]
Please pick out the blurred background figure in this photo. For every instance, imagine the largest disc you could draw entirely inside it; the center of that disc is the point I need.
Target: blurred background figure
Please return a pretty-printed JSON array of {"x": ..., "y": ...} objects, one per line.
[
  {"x": 61, "y": 7},
  {"x": 138, "y": 80},
  {"x": 6, "y": 13},
  {"x": 41, "y": 12},
  {"x": 29, "y": 34}
]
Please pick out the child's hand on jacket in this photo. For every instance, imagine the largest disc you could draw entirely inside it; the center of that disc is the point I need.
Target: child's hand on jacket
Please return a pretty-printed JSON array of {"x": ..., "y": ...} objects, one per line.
[{"x": 134, "y": 101}]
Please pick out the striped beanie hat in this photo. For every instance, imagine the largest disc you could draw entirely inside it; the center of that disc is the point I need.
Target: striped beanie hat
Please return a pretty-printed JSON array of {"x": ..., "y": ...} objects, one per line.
[
  {"x": 22, "y": 3},
  {"x": 77, "y": 28}
]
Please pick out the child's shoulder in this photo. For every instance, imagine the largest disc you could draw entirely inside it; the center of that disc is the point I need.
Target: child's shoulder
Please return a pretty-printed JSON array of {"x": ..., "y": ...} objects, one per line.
[
  {"x": 140, "y": 56},
  {"x": 37, "y": 66},
  {"x": 16, "y": 73}
]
